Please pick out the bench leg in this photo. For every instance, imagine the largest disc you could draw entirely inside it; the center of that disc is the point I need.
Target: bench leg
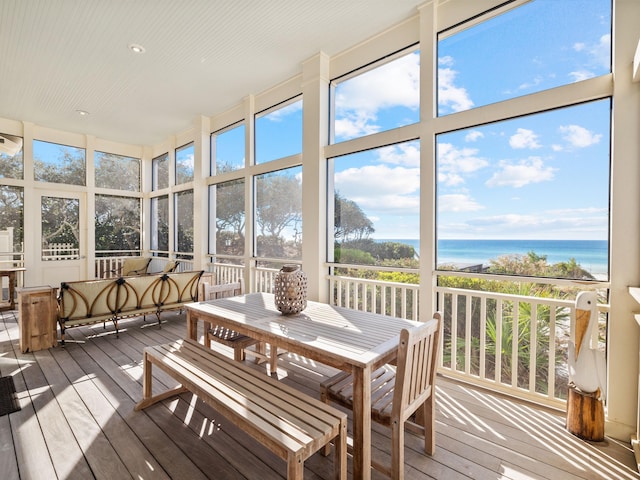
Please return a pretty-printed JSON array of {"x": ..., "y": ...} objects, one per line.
[
  {"x": 238, "y": 354},
  {"x": 340, "y": 453},
  {"x": 295, "y": 467},
  {"x": 273, "y": 358},
  {"x": 147, "y": 399}
]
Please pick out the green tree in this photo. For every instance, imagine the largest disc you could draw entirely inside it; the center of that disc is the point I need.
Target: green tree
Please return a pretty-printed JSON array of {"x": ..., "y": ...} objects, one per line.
[
  {"x": 350, "y": 222},
  {"x": 60, "y": 221},
  {"x": 12, "y": 213},
  {"x": 117, "y": 223},
  {"x": 68, "y": 167},
  {"x": 117, "y": 172}
]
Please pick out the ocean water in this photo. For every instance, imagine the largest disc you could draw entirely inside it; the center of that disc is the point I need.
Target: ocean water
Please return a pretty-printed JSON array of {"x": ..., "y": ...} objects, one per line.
[{"x": 592, "y": 255}]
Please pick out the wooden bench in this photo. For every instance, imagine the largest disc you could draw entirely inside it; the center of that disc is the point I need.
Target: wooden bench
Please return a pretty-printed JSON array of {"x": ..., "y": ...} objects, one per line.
[{"x": 291, "y": 424}]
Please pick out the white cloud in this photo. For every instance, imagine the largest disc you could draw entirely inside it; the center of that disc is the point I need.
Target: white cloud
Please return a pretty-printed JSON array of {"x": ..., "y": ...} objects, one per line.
[
  {"x": 601, "y": 52},
  {"x": 524, "y": 138},
  {"x": 598, "y": 55},
  {"x": 579, "y": 137},
  {"x": 529, "y": 85},
  {"x": 449, "y": 94},
  {"x": 280, "y": 113},
  {"x": 406, "y": 154},
  {"x": 580, "y": 75},
  {"x": 457, "y": 202},
  {"x": 380, "y": 188},
  {"x": 585, "y": 223},
  {"x": 531, "y": 170},
  {"x": 361, "y": 98},
  {"x": 453, "y": 162},
  {"x": 473, "y": 135}
]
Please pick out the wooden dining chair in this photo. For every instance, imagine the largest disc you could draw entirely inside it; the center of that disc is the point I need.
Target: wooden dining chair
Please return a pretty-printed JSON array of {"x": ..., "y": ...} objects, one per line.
[
  {"x": 397, "y": 392},
  {"x": 227, "y": 336}
]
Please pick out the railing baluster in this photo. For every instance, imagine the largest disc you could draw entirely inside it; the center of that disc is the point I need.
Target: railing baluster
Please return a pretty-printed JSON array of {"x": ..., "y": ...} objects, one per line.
[{"x": 533, "y": 347}]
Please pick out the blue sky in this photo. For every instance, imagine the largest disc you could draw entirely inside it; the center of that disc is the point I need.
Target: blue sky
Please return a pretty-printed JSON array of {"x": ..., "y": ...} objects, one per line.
[{"x": 544, "y": 176}]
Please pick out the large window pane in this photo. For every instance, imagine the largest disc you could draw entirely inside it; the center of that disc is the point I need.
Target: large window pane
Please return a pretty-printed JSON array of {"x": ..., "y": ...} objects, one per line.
[
  {"x": 160, "y": 223},
  {"x": 279, "y": 214},
  {"x": 227, "y": 205},
  {"x": 117, "y": 171},
  {"x": 184, "y": 221},
  {"x": 539, "y": 45},
  {"x": 527, "y": 196},
  {"x": 11, "y": 156},
  {"x": 227, "y": 150},
  {"x": 11, "y": 221},
  {"x": 160, "y": 172},
  {"x": 279, "y": 132},
  {"x": 60, "y": 228},
  {"x": 59, "y": 163},
  {"x": 376, "y": 206},
  {"x": 184, "y": 164},
  {"x": 380, "y": 99},
  {"x": 117, "y": 223}
]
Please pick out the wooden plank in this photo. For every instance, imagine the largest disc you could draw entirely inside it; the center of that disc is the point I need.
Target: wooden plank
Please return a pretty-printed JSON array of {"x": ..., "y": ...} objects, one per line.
[
  {"x": 239, "y": 400},
  {"x": 205, "y": 441},
  {"x": 479, "y": 434},
  {"x": 161, "y": 442}
]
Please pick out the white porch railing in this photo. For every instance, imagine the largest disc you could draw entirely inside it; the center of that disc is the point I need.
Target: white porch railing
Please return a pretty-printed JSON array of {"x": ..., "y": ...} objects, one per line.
[
  {"x": 514, "y": 344},
  {"x": 60, "y": 251}
]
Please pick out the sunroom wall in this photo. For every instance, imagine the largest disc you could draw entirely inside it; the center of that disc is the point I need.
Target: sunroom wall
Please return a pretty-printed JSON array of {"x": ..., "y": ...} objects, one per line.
[{"x": 312, "y": 83}]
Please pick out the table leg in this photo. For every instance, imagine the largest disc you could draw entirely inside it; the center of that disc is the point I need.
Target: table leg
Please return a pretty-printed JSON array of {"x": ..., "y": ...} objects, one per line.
[
  {"x": 192, "y": 326},
  {"x": 12, "y": 289},
  {"x": 362, "y": 423}
]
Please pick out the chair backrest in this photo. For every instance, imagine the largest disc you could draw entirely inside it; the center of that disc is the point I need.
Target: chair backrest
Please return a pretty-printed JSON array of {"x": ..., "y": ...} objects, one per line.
[
  {"x": 170, "y": 266},
  {"x": 135, "y": 266},
  {"x": 212, "y": 292},
  {"x": 417, "y": 360}
]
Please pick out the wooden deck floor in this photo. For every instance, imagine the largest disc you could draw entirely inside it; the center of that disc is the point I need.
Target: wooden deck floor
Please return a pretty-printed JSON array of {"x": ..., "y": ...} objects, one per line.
[{"x": 77, "y": 422}]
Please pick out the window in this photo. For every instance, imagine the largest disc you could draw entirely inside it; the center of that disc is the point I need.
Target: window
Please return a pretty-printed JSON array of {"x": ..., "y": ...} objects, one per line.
[
  {"x": 184, "y": 164},
  {"x": 530, "y": 194},
  {"x": 227, "y": 150},
  {"x": 11, "y": 156},
  {"x": 59, "y": 163},
  {"x": 376, "y": 204},
  {"x": 11, "y": 219},
  {"x": 160, "y": 172},
  {"x": 117, "y": 223},
  {"x": 227, "y": 201},
  {"x": 183, "y": 215},
  {"x": 160, "y": 223},
  {"x": 278, "y": 231},
  {"x": 117, "y": 172},
  {"x": 60, "y": 228},
  {"x": 279, "y": 132},
  {"x": 536, "y": 46},
  {"x": 377, "y": 99}
]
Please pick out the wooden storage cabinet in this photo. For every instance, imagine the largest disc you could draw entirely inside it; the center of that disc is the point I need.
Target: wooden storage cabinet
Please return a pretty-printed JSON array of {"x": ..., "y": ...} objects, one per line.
[{"x": 37, "y": 310}]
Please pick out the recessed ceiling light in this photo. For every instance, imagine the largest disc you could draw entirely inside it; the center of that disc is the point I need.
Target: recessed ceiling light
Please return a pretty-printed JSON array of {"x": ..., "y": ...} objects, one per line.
[
  {"x": 135, "y": 48},
  {"x": 82, "y": 113}
]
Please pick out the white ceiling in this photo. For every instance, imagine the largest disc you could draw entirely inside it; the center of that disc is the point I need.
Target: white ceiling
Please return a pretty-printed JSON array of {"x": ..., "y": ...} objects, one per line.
[{"x": 202, "y": 57}]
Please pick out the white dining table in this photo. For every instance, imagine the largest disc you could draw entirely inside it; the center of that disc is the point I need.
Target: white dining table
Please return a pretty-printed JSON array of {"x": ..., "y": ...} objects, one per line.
[{"x": 350, "y": 340}]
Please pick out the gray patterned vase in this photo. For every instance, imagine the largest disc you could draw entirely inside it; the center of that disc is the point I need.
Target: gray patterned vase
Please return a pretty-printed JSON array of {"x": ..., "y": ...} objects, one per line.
[{"x": 291, "y": 290}]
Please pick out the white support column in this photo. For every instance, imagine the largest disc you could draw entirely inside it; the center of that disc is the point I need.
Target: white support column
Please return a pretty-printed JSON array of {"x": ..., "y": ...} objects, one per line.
[
  {"x": 428, "y": 70},
  {"x": 622, "y": 365},
  {"x": 249, "y": 111},
  {"x": 201, "y": 170},
  {"x": 89, "y": 249},
  {"x": 315, "y": 97}
]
